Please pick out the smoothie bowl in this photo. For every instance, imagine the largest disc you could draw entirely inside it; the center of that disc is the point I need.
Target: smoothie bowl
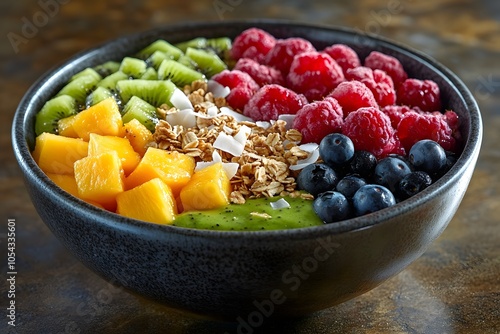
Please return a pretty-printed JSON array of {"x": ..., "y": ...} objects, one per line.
[{"x": 262, "y": 222}]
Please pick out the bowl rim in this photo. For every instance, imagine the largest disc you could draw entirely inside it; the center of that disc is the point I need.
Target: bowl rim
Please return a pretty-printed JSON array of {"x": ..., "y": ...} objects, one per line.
[{"x": 112, "y": 220}]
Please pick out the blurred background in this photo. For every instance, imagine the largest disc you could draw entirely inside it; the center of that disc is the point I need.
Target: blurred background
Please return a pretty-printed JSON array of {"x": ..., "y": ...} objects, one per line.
[{"x": 453, "y": 288}]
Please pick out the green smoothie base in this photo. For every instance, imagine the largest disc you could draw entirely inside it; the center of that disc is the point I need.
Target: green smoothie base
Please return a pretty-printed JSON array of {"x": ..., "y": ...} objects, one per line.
[{"x": 254, "y": 215}]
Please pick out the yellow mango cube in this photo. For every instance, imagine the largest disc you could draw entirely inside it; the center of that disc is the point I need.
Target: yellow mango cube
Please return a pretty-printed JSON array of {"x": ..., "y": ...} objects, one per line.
[
  {"x": 99, "y": 144},
  {"x": 209, "y": 188},
  {"x": 100, "y": 178},
  {"x": 138, "y": 135},
  {"x": 173, "y": 168},
  {"x": 152, "y": 201},
  {"x": 57, "y": 154},
  {"x": 68, "y": 183},
  {"x": 103, "y": 118},
  {"x": 65, "y": 127}
]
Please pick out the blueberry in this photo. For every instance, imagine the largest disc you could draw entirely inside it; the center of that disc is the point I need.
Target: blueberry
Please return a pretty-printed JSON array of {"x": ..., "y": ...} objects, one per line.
[
  {"x": 427, "y": 156},
  {"x": 332, "y": 206},
  {"x": 389, "y": 171},
  {"x": 413, "y": 183},
  {"x": 349, "y": 184},
  {"x": 371, "y": 198},
  {"x": 336, "y": 149},
  {"x": 363, "y": 163},
  {"x": 317, "y": 178}
]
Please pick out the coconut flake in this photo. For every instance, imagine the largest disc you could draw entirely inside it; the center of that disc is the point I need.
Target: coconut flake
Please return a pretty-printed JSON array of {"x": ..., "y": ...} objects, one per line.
[
  {"x": 237, "y": 116},
  {"x": 263, "y": 124},
  {"x": 228, "y": 144},
  {"x": 280, "y": 204},
  {"x": 242, "y": 135},
  {"x": 212, "y": 111},
  {"x": 288, "y": 118},
  {"x": 185, "y": 117},
  {"x": 230, "y": 168},
  {"x": 309, "y": 147},
  {"x": 180, "y": 100},
  {"x": 312, "y": 158},
  {"x": 217, "y": 89}
]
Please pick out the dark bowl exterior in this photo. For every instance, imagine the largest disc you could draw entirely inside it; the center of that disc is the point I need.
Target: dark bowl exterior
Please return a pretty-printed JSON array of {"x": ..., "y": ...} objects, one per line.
[{"x": 230, "y": 274}]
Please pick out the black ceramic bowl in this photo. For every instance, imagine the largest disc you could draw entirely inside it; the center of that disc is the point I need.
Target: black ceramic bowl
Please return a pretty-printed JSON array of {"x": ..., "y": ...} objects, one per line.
[{"x": 230, "y": 274}]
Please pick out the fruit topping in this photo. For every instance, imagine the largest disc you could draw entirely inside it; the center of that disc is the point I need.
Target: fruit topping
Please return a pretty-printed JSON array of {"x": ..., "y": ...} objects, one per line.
[
  {"x": 271, "y": 101},
  {"x": 345, "y": 56},
  {"x": 370, "y": 198},
  {"x": 389, "y": 64},
  {"x": 353, "y": 95},
  {"x": 336, "y": 150},
  {"x": 314, "y": 74},
  {"x": 423, "y": 94},
  {"x": 262, "y": 74},
  {"x": 241, "y": 84},
  {"x": 317, "y": 178},
  {"x": 283, "y": 52},
  {"x": 252, "y": 43},
  {"x": 332, "y": 206},
  {"x": 318, "y": 119},
  {"x": 377, "y": 81}
]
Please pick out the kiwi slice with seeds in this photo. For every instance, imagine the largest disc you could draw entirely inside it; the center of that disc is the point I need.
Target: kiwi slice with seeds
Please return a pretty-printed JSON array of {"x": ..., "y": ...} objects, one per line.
[
  {"x": 110, "y": 81},
  {"x": 179, "y": 74},
  {"x": 156, "y": 58},
  {"x": 155, "y": 92},
  {"x": 99, "y": 94},
  {"x": 188, "y": 62},
  {"x": 142, "y": 111},
  {"x": 81, "y": 86},
  {"x": 150, "y": 74},
  {"x": 160, "y": 45},
  {"x": 219, "y": 44},
  {"x": 52, "y": 111},
  {"x": 107, "y": 68},
  {"x": 133, "y": 67},
  {"x": 90, "y": 72},
  {"x": 208, "y": 63},
  {"x": 197, "y": 43}
]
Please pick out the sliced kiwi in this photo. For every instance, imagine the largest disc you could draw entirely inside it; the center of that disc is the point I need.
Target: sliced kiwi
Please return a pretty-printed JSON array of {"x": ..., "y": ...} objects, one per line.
[
  {"x": 107, "y": 68},
  {"x": 219, "y": 44},
  {"x": 156, "y": 58},
  {"x": 150, "y": 74},
  {"x": 80, "y": 87},
  {"x": 208, "y": 63},
  {"x": 53, "y": 110},
  {"x": 160, "y": 45},
  {"x": 110, "y": 81},
  {"x": 99, "y": 94},
  {"x": 155, "y": 92},
  {"x": 188, "y": 62},
  {"x": 133, "y": 67},
  {"x": 197, "y": 43},
  {"x": 142, "y": 111},
  {"x": 179, "y": 74},
  {"x": 86, "y": 72}
]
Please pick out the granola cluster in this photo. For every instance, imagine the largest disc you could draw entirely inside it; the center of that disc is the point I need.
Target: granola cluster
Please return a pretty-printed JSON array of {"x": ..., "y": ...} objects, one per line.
[{"x": 268, "y": 152}]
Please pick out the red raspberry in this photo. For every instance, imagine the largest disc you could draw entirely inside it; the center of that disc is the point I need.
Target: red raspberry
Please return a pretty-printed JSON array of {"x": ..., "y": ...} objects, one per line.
[
  {"x": 314, "y": 74},
  {"x": 241, "y": 84},
  {"x": 270, "y": 101},
  {"x": 370, "y": 130},
  {"x": 415, "y": 126},
  {"x": 318, "y": 119},
  {"x": 281, "y": 55},
  {"x": 262, "y": 74},
  {"x": 420, "y": 93},
  {"x": 252, "y": 43},
  {"x": 395, "y": 113},
  {"x": 344, "y": 56},
  {"x": 377, "y": 81},
  {"x": 392, "y": 66},
  {"x": 353, "y": 95}
]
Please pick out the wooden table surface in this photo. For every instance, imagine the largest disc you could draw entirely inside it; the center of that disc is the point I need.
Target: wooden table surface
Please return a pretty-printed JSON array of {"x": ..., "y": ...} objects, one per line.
[{"x": 453, "y": 288}]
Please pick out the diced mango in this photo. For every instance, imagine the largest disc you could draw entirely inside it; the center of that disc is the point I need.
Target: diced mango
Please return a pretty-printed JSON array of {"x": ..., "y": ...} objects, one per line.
[
  {"x": 100, "y": 178},
  {"x": 99, "y": 144},
  {"x": 152, "y": 201},
  {"x": 209, "y": 188},
  {"x": 65, "y": 127},
  {"x": 102, "y": 118},
  {"x": 68, "y": 184},
  {"x": 173, "y": 168},
  {"x": 138, "y": 135},
  {"x": 57, "y": 154}
]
